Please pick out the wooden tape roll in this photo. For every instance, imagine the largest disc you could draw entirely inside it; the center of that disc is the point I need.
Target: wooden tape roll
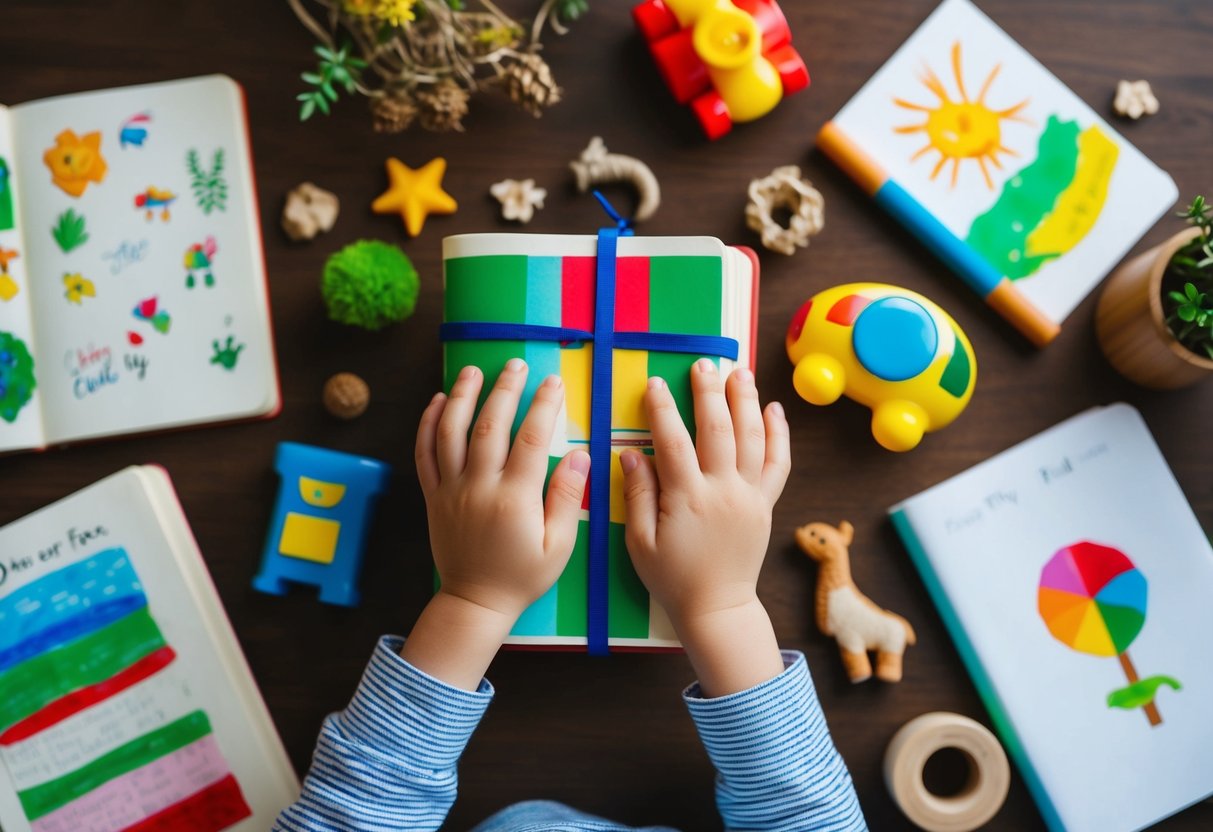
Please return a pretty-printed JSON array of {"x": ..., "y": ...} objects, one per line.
[{"x": 983, "y": 793}]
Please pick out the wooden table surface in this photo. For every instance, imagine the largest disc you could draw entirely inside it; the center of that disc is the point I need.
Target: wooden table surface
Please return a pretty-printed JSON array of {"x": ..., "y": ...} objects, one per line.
[{"x": 611, "y": 736}]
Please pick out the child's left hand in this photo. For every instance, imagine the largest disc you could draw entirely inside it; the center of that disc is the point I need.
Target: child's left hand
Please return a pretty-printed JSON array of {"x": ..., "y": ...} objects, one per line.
[{"x": 496, "y": 542}]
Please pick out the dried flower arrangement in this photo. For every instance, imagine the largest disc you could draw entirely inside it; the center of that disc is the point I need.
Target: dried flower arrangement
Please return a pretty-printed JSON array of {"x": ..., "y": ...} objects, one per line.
[{"x": 422, "y": 60}]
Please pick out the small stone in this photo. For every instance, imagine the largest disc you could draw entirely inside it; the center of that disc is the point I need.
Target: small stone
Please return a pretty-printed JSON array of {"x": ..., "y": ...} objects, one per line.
[
  {"x": 346, "y": 396},
  {"x": 309, "y": 211}
]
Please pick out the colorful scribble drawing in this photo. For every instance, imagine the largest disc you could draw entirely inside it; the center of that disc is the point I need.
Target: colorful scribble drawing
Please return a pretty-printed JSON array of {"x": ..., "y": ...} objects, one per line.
[
  {"x": 69, "y": 231},
  {"x": 76, "y": 287},
  {"x": 227, "y": 355},
  {"x": 17, "y": 381},
  {"x": 81, "y": 642},
  {"x": 209, "y": 186},
  {"x": 7, "y": 219},
  {"x": 153, "y": 198},
  {"x": 964, "y": 129},
  {"x": 149, "y": 310},
  {"x": 198, "y": 259},
  {"x": 8, "y": 286},
  {"x": 1046, "y": 208},
  {"x": 133, "y": 132},
  {"x": 1093, "y": 600},
  {"x": 75, "y": 161}
]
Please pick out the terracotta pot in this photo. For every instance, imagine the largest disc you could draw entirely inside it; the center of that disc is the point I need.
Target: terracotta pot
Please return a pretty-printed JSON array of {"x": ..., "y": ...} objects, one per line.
[{"x": 1132, "y": 331}]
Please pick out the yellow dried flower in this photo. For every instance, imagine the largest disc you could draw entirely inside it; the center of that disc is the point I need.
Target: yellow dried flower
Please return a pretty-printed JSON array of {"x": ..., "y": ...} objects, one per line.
[
  {"x": 394, "y": 12},
  {"x": 358, "y": 8}
]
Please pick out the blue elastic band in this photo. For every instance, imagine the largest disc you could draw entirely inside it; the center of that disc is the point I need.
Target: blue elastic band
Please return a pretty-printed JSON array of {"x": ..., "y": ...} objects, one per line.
[
  {"x": 601, "y": 388},
  {"x": 714, "y": 345}
]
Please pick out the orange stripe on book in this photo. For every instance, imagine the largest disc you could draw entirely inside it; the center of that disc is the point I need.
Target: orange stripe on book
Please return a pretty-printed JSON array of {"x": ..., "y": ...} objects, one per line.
[
  {"x": 216, "y": 807},
  {"x": 78, "y": 700}
]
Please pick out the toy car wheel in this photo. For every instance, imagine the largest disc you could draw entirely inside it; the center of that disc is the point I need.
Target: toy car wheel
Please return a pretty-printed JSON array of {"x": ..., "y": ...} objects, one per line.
[
  {"x": 654, "y": 19},
  {"x": 819, "y": 379},
  {"x": 713, "y": 114},
  {"x": 793, "y": 74},
  {"x": 899, "y": 425}
]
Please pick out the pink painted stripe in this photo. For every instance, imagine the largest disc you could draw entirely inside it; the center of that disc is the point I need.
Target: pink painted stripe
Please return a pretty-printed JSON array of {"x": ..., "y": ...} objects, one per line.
[
  {"x": 632, "y": 294},
  {"x": 137, "y": 795}
]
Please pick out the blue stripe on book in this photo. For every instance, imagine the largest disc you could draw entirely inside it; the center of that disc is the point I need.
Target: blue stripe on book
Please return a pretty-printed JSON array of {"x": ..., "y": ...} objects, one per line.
[{"x": 88, "y": 620}]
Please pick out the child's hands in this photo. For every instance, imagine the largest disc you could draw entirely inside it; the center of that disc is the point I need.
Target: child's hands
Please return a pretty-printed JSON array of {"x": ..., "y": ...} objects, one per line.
[
  {"x": 495, "y": 542},
  {"x": 699, "y": 520}
]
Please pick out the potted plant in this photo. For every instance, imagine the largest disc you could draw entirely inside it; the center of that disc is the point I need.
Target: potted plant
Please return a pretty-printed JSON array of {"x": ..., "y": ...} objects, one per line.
[{"x": 1155, "y": 317}]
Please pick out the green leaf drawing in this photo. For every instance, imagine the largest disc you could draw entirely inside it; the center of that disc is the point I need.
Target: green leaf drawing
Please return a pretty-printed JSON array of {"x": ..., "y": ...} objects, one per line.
[
  {"x": 69, "y": 231},
  {"x": 210, "y": 188}
]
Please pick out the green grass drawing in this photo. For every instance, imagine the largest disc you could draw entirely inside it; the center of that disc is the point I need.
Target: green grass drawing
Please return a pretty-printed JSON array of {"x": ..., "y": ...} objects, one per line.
[
  {"x": 69, "y": 232},
  {"x": 210, "y": 188}
]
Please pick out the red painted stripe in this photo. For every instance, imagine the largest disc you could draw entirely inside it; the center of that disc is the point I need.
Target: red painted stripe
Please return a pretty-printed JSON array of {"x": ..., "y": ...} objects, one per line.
[
  {"x": 577, "y": 292},
  {"x": 632, "y": 294},
  {"x": 216, "y": 807},
  {"x": 78, "y": 700}
]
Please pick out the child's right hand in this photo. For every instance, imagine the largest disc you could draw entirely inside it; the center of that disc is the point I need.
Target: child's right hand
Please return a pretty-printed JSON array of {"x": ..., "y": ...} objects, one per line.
[{"x": 699, "y": 522}]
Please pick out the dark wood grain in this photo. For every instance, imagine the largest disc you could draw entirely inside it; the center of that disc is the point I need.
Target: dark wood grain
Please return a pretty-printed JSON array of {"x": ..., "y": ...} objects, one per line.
[{"x": 611, "y": 736}]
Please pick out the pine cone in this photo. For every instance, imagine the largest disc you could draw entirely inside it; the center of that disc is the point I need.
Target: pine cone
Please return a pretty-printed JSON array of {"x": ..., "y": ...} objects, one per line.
[
  {"x": 393, "y": 113},
  {"x": 442, "y": 107},
  {"x": 530, "y": 84}
]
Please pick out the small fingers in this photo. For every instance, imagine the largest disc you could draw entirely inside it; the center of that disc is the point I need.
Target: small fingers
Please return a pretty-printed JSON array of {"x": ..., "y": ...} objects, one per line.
[
  {"x": 778, "y": 459},
  {"x": 748, "y": 430},
  {"x": 640, "y": 491},
  {"x": 562, "y": 509},
  {"x": 532, "y": 445},
  {"x": 713, "y": 426},
  {"x": 674, "y": 454},
  {"x": 456, "y": 417},
  {"x": 490, "y": 444},
  {"x": 426, "y": 455}
]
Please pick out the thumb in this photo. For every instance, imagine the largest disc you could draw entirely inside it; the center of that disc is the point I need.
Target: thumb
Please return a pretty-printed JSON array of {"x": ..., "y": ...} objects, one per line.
[
  {"x": 640, "y": 494},
  {"x": 562, "y": 511}
]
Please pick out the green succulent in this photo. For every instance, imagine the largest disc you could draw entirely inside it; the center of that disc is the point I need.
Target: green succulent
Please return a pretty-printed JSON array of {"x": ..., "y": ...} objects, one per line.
[{"x": 1189, "y": 312}]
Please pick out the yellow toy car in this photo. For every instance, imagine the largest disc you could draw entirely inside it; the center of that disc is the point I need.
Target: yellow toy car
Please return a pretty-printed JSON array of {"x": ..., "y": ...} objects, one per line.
[{"x": 889, "y": 349}]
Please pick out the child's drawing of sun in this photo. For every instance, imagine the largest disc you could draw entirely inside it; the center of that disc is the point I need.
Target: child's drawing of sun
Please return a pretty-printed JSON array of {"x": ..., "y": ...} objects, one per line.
[{"x": 963, "y": 129}]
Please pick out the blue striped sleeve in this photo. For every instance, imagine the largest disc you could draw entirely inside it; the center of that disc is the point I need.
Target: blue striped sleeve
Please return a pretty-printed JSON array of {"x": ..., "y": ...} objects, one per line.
[
  {"x": 387, "y": 762},
  {"x": 777, "y": 768}
]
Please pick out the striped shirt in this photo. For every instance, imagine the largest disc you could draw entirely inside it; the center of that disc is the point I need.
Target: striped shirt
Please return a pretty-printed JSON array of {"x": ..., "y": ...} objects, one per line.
[{"x": 387, "y": 762}]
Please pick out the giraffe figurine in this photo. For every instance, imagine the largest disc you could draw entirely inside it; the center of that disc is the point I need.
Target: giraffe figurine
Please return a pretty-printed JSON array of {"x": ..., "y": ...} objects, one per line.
[{"x": 845, "y": 613}]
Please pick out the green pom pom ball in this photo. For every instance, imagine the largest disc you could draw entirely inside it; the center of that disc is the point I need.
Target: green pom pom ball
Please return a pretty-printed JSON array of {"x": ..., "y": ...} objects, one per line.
[{"x": 370, "y": 284}]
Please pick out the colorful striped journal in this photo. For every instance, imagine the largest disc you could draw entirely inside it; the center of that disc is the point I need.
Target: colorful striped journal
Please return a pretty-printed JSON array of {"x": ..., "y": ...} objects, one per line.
[
  {"x": 125, "y": 702},
  {"x": 605, "y": 313}
]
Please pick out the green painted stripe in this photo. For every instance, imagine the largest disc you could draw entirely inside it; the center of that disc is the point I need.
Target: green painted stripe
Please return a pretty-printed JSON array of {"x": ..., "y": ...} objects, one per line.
[
  {"x": 27, "y": 687},
  {"x": 675, "y": 368},
  {"x": 486, "y": 288},
  {"x": 571, "y": 587},
  {"x": 46, "y": 798},
  {"x": 685, "y": 295},
  {"x": 628, "y": 600}
]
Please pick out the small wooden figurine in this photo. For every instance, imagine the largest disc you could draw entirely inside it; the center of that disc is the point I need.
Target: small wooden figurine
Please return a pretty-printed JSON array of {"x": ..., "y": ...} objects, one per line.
[{"x": 845, "y": 613}]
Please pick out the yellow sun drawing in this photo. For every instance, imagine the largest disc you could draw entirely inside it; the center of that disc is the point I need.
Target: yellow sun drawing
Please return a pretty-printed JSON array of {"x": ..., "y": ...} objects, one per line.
[{"x": 963, "y": 129}]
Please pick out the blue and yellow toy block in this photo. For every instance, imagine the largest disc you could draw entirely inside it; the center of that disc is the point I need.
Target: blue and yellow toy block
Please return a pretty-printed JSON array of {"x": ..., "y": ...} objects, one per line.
[{"x": 320, "y": 522}]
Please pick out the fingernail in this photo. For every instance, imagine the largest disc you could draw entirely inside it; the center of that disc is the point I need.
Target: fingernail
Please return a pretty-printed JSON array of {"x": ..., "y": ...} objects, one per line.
[
  {"x": 744, "y": 375},
  {"x": 437, "y": 396},
  {"x": 468, "y": 372},
  {"x": 706, "y": 365},
  {"x": 777, "y": 409},
  {"x": 628, "y": 462},
  {"x": 656, "y": 383},
  {"x": 515, "y": 365},
  {"x": 580, "y": 462},
  {"x": 552, "y": 381}
]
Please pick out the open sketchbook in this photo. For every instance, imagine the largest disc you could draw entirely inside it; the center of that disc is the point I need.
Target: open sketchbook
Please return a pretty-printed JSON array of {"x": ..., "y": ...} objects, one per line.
[
  {"x": 125, "y": 702},
  {"x": 998, "y": 167},
  {"x": 132, "y": 283},
  {"x": 671, "y": 285},
  {"x": 1075, "y": 580}
]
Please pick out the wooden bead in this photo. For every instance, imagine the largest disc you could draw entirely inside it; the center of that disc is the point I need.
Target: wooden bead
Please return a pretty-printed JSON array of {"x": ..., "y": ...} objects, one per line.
[{"x": 346, "y": 396}]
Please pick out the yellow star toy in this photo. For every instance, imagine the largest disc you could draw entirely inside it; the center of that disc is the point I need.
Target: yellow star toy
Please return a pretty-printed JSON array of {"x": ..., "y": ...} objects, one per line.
[{"x": 415, "y": 194}]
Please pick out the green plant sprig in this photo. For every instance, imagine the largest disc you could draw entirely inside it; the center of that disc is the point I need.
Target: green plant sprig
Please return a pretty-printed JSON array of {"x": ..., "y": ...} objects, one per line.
[
  {"x": 336, "y": 68},
  {"x": 1189, "y": 314}
]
